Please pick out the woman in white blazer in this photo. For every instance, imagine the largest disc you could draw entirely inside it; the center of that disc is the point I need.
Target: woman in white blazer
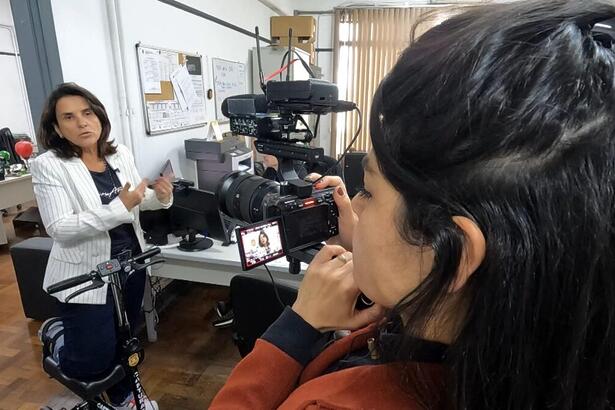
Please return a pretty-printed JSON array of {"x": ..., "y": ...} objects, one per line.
[{"x": 83, "y": 188}]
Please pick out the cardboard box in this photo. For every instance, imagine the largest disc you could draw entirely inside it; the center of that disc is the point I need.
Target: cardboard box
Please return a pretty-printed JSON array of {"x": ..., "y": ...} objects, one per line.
[
  {"x": 283, "y": 41},
  {"x": 303, "y": 26},
  {"x": 309, "y": 48}
]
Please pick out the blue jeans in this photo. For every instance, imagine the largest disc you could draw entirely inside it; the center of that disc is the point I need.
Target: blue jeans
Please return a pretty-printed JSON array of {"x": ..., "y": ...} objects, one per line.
[{"x": 91, "y": 347}]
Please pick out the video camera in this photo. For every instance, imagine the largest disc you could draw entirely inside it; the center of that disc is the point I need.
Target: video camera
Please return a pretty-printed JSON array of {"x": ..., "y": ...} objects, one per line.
[{"x": 306, "y": 217}]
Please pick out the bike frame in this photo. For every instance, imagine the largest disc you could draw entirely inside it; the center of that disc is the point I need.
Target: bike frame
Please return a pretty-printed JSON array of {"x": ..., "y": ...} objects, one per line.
[{"x": 131, "y": 352}]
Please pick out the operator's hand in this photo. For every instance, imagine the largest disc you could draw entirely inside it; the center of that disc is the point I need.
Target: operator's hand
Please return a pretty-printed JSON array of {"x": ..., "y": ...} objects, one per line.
[
  {"x": 347, "y": 217},
  {"x": 270, "y": 161},
  {"x": 328, "y": 293},
  {"x": 129, "y": 198},
  {"x": 164, "y": 189}
]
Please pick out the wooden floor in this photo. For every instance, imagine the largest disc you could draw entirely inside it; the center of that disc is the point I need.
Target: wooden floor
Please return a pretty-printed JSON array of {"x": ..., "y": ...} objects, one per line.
[{"x": 183, "y": 370}]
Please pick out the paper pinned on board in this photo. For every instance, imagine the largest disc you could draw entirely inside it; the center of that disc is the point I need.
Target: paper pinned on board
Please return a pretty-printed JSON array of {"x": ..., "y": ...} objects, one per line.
[
  {"x": 184, "y": 89},
  {"x": 150, "y": 68}
]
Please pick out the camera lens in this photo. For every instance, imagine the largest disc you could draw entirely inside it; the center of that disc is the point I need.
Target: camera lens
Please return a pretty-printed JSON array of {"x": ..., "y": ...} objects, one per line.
[{"x": 241, "y": 195}]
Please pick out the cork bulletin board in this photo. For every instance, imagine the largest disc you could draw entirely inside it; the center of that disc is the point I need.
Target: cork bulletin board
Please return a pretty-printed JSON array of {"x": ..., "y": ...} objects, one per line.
[{"x": 172, "y": 89}]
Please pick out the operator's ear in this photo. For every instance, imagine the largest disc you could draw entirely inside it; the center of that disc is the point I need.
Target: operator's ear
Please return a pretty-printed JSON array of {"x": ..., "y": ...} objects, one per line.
[{"x": 473, "y": 252}]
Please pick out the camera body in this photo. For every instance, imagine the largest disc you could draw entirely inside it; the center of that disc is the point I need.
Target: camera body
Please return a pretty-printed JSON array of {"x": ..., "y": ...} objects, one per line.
[
  {"x": 306, "y": 221},
  {"x": 308, "y": 217}
]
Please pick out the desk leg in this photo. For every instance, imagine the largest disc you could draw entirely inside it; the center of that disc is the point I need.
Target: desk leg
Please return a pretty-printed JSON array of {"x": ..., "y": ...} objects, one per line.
[
  {"x": 3, "y": 238},
  {"x": 150, "y": 312}
]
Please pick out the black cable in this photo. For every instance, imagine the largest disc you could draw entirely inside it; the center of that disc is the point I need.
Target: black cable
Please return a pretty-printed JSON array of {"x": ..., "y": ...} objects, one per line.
[
  {"x": 354, "y": 139},
  {"x": 282, "y": 65},
  {"x": 156, "y": 288},
  {"x": 290, "y": 42},
  {"x": 260, "y": 65},
  {"x": 316, "y": 126},
  {"x": 305, "y": 65},
  {"x": 275, "y": 288},
  {"x": 308, "y": 130}
]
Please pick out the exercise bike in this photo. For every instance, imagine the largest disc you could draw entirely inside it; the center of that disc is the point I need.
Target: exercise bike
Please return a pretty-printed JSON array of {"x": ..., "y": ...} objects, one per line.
[{"x": 132, "y": 354}]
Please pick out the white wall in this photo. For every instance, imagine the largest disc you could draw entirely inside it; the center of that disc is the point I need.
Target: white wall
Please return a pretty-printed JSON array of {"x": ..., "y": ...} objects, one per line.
[
  {"x": 14, "y": 106},
  {"x": 86, "y": 58},
  {"x": 282, "y": 7},
  {"x": 324, "y": 5},
  {"x": 6, "y": 17},
  {"x": 86, "y": 52}
]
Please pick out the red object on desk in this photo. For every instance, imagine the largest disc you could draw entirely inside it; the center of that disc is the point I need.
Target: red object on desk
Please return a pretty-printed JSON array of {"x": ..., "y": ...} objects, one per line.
[{"x": 24, "y": 149}]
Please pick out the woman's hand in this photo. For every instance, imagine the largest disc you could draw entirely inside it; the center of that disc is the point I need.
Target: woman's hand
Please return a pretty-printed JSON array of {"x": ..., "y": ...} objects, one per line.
[
  {"x": 164, "y": 189},
  {"x": 129, "y": 198},
  {"x": 328, "y": 293},
  {"x": 347, "y": 217}
]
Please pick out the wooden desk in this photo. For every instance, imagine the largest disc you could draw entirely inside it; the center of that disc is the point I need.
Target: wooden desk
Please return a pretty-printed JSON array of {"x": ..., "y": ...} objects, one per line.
[
  {"x": 216, "y": 265},
  {"x": 14, "y": 191}
]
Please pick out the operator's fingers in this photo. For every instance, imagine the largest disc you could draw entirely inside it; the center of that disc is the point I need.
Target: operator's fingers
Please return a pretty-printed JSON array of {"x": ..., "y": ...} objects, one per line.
[
  {"x": 342, "y": 200},
  {"x": 329, "y": 181},
  {"x": 327, "y": 253},
  {"x": 343, "y": 258},
  {"x": 364, "y": 317},
  {"x": 312, "y": 177}
]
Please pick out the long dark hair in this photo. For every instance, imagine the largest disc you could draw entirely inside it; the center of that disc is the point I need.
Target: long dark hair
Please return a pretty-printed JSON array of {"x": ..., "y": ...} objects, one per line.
[
  {"x": 49, "y": 138},
  {"x": 506, "y": 115}
]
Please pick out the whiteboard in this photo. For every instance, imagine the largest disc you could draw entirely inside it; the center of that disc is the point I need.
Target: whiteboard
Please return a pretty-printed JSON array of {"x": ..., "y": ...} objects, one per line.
[
  {"x": 229, "y": 79},
  {"x": 172, "y": 89}
]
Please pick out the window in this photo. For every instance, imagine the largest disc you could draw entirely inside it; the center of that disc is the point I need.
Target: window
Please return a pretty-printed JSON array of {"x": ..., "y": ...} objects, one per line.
[{"x": 367, "y": 44}]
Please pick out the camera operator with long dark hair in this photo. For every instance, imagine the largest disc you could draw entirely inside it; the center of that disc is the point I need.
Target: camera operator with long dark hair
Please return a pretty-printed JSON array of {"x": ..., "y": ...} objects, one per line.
[{"x": 485, "y": 230}]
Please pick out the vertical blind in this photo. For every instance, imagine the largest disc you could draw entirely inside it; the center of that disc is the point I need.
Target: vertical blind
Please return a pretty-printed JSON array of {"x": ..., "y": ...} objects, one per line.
[{"x": 367, "y": 43}]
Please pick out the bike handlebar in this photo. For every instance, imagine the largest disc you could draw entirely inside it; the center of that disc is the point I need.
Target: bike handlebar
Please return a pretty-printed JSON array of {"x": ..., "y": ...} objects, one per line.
[
  {"x": 70, "y": 283},
  {"x": 146, "y": 255},
  {"x": 78, "y": 280}
]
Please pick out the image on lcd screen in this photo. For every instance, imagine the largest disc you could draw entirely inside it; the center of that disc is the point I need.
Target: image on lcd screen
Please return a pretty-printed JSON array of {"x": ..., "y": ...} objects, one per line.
[{"x": 260, "y": 243}]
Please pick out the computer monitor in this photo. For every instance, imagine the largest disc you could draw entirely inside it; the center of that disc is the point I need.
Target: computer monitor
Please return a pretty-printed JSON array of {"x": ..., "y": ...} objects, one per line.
[{"x": 195, "y": 211}]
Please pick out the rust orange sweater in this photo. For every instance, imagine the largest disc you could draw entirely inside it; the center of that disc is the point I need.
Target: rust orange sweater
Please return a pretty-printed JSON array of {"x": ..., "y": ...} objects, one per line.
[{"x": 268, "y": 378}]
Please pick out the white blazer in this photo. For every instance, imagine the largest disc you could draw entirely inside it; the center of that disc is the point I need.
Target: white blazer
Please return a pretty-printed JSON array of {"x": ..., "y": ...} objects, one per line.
[{"x": 76, "y": 219}]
